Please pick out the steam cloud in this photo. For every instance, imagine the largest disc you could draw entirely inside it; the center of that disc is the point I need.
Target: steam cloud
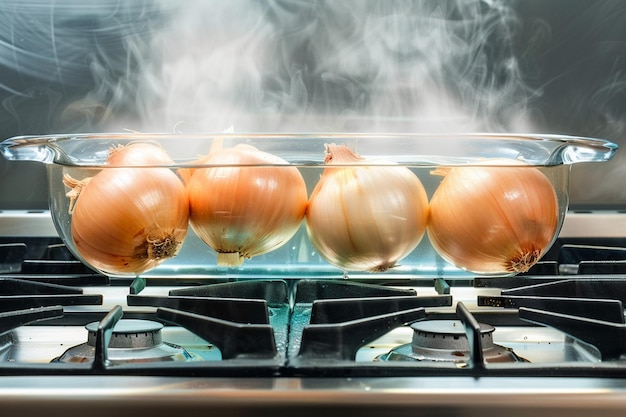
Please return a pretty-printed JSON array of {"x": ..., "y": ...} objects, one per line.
[
  {"x": 329, "y": 65},
  {"x": 298, "y": 65}
]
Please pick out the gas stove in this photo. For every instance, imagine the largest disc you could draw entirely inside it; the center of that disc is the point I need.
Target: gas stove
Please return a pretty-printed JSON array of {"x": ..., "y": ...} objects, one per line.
[
  {"x": 556, "y": 334},
  {"x": 549, "y": 342}
]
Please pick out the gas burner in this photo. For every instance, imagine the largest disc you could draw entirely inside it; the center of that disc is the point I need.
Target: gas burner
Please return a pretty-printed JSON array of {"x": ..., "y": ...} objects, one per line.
[
  {"x": 132, "y": 341},
  {"x": 446, "y": 341}
]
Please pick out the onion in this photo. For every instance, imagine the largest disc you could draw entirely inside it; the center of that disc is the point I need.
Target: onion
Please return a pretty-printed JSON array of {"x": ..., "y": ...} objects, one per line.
[
  {"x": 245, "y": 211},
  {"x": 365, "y": 218},
  {"x": 129, "y": 220},
  {"x": 493, "y": 220}
]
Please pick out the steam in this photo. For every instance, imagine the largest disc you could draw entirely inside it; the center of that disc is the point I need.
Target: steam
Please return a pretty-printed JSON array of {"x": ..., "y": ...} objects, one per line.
[
  {"x": 278, "y": 65},
  {"x": 328, "y": 65},
  {"x": 285, "y": 65}
]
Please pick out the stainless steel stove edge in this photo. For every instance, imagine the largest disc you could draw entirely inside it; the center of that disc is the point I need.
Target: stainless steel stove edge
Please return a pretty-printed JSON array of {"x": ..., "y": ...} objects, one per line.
[{"x": 161, "y": 396}]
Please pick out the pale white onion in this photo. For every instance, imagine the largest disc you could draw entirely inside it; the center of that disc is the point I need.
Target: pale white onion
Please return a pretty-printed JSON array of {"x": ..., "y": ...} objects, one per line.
[
  {"x": 248, "y": 204},
  {"x": 365, "y": 217},
  {"x": 493, "y": 219}
]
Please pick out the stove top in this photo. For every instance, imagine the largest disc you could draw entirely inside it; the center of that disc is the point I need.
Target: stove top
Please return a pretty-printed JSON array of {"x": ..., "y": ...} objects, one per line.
[
  {"x": 558, "y": 329},
  {"x": 55, "y": 312}
]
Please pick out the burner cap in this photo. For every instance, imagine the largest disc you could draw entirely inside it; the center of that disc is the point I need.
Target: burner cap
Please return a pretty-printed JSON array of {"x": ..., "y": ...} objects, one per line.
[
  {"x": 129, "y": 334},
  {"x": 446, "y": 341},
  {"x": 131, "y": 341},
  {"x": 446, "y": 335}
]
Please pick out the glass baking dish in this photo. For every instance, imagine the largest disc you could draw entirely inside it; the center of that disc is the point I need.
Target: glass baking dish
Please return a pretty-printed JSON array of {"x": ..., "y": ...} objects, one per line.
[{"x": 301, "y": 252}]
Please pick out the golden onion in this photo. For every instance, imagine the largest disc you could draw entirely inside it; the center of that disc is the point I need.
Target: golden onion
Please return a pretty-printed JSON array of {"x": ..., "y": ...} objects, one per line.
[
  {"x": 493, "y": 219},
  {"x": 365, "y": 217},
  {"x": 129, "y": 220},
  {"x": 248, "y": 204}
]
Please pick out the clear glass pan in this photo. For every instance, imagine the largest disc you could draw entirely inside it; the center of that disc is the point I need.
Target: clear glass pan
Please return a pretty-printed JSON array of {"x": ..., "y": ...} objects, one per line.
[{"x": 84, "y": 155}]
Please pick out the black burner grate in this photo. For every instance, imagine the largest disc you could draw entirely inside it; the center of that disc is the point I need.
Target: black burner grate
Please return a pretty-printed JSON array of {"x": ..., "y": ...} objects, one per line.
[{"x": 313, "y": 327}]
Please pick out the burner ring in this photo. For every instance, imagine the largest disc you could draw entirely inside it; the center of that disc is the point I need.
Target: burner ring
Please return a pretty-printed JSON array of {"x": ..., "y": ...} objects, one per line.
[
  {"x": 129, "y": 334},
  {"x": 447, "y": 335},
  {"x": 132, "y": 341},
  {"x": 445, "y": 341}
]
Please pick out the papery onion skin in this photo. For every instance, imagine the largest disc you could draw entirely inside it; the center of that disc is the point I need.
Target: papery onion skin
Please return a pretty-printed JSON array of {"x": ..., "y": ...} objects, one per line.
[
  {"x": 245, "y": 211},
  {"x": 138, "y": 154},
  {"x": 129, "y": 220},
  {"x": 365, "y": 218},
  {"x": 493, "y": 220}
]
